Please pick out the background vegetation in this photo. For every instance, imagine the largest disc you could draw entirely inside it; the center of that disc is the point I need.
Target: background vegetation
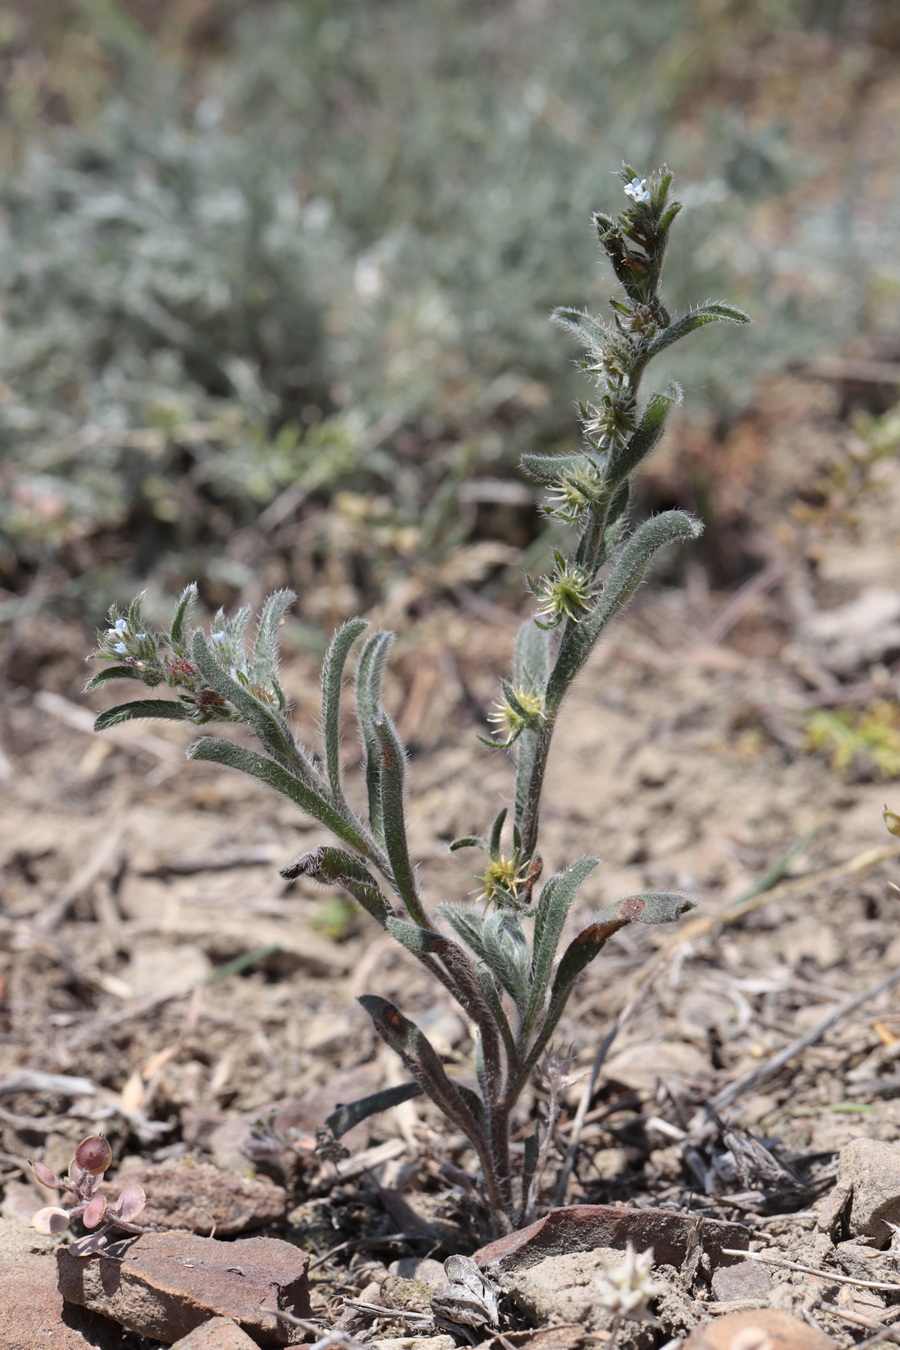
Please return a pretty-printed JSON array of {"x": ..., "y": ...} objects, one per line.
[{"x": 264, "y": 259}]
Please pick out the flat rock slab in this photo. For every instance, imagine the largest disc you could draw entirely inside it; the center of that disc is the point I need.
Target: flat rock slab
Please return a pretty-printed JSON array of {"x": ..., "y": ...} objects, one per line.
[
  {"x": 164, "y": 1285},
  {"x": 581, "y": 1228},
  {"x": 202, "y": 1198}
]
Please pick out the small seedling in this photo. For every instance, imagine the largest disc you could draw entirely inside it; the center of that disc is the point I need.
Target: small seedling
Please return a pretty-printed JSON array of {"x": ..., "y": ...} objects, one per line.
[
  {"x": 500, "y": 961},
  {"x": 92, "y": 1157}
]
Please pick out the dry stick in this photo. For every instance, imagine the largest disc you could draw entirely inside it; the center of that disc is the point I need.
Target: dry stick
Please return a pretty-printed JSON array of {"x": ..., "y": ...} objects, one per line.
[
  {"x": 748, "y": 1081},
  {"x": 830, "y": 1276}
]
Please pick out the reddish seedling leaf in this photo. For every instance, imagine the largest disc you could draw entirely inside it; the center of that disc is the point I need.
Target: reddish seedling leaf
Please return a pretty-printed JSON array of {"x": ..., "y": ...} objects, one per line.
[
  {"x": 76, "y": 1174},
  {"x": 52, "y": 1219},
  {"x": 94, "y": 1211},
  {"x": 94, "y": 1155},
  {"x": 44, "y": 1175},
  {"x": 130, "y": 1203}
]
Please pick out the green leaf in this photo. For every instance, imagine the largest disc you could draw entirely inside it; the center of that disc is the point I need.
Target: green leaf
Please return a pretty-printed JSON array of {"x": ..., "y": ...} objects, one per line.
[
  {"x": 421, "y": 1060},
  {"x": 647, "y": 907},
  {"x": 265, "y": 648},
  {"x": 496, "y": 832},
  {"x": 466, "y": 841},
  {"x": 271, "y": 728},
  {"x": 627, "y": 572},
  {"x": 533, "y": 657},
  {"x": 351, "y": 1113},
  {"x": 216, "y": 750},
  {"x": 628, "y": 457},
  {"x": 178, "y": 633},
  {"x": 158, "y": 709},
  {"x": 589, "y": 330},
  {"x": 713, "y": 312},
  {"x": 550, "y": 915},
  {"x": 507, "y": 955},
  {"x": 111, "y": 673},
  {"x": 550, "y": 469},
  {"x": 334, "y": 867},
  {"x": 391, "y": 791},
  {"x": 332, "y": 675},
  {"x": 369, "y": 674}
]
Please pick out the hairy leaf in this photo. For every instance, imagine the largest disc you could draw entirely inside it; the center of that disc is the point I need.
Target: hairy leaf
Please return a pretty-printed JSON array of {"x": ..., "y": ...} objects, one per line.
[
  {"x": 334, "y": 867},
  {"x": 332, "y": 675},
  {"x": 265, "y": 648},
  {"x": 178, "y": 632},
  {"x": 422, "y": 1061},
  {"x": 351, "y": 1113},
  {"x": 626, "y": 458},
  {"x": 143, "y": 708},
  {"x": 713, "y": 312},
  {"x": 626, "y": 575},
  {"x": 111, "y": 673},
  {"x": 550, "y": 916},
  {"x": 216, "y": 750},
  {"x": 589, "y": 331},
  {"x": 369, "y": 674},
  {"x": 392, "y": 779}
]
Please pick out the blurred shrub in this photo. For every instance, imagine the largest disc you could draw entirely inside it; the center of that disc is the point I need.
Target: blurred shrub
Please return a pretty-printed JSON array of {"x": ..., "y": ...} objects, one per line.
[{"x": 327, "y": 262}]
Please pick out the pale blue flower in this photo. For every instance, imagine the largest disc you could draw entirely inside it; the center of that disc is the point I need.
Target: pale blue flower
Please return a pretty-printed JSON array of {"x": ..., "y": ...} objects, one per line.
[
  {"x": 637, "y": 190},
  {"x": 121, "y": 649},
  {"x": 218, "y": 637}
]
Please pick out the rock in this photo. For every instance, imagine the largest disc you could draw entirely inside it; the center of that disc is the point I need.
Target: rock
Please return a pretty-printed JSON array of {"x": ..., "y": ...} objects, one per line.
[
  {"x": 415, "y": 1343},
  {"x": 580, "y": 1228},
  {"x": 32, "y": 1312},
  {"x": 761, "y": 1329},
  {"x": 565, "y": 1289},
  {"x": 219, "y": 1333},
  {"x": 744, "y": 1280},
  {"x": 164, "y": 1285},
  {"x": 868, "y": 1182},
  {"x": 202, "y": 1198},
  {"x": 422, "y": 1268},
  {"x": 551, "y": 1338}
]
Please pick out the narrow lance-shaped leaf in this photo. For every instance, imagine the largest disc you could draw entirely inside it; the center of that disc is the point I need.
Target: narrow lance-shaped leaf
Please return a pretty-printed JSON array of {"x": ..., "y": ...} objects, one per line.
[
  {"x": 550, "y": 915},
  {"x": 334, "y": 867},
  {"x": 111, "y": 673},
  {"x": 627, "y": 457},
  {"x": 270, "y": 726},
  {"x": 422, "y": 1061},
  {"x": 216, "y": 750},
  {"x": 626, "y": 575},
  {"x": 649, "y": 907},
  {"x": 351, "y": 1113},
  {"x": 369, "y": 674},
  {"x": 550, "y": 469},
  {"x": 332, "y": 675},
  {"x": 159, "y": 709},
  {"x": 178, "y": 632},
  {"x": 714, "y": 312},
  {"x": 265, "y": 648},
  {"x": 589, "y": 331},
  {"x": 392, "y": 776}
]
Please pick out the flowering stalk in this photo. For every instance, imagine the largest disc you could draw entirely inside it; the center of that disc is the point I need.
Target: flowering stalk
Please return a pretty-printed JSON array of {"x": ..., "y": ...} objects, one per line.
[{"x": 512, "y": 985}]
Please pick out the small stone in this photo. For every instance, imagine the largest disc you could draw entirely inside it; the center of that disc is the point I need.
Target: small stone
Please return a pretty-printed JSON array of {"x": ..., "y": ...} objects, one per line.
[
  {"x": 869, "y": 1174},
  {"x": 760, "y": 1329},
  {"x": 219, "y": 1333},
  {"x": 203, "y": 1199},
  {"x": 164, "y": 1285},
  {"x": 745, "y": 1280}
]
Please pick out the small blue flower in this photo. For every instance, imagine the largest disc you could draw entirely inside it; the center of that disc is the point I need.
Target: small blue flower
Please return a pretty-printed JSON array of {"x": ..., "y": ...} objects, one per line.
[
  {"x": 121, "y": 649},
  {"x": 218, "y": 637},
  {"x": 637, "y": 190},
  {"x": 140, "y": 637},
  {"x": 121, "y": 627}
]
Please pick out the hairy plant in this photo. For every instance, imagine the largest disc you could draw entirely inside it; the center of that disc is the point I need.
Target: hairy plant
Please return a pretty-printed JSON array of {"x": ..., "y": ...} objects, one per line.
[{"x": 501, "y": 962}]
